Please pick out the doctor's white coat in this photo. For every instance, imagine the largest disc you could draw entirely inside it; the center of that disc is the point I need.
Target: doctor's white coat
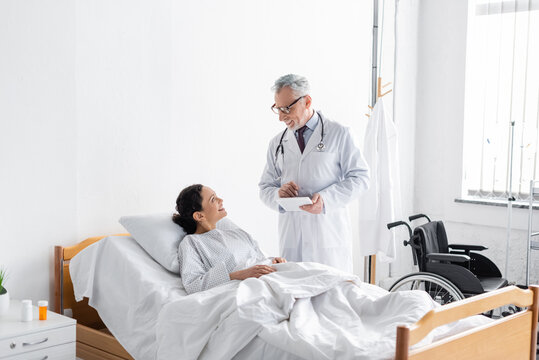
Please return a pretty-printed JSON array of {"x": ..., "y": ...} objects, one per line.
[{"x": 338, "y": 173}]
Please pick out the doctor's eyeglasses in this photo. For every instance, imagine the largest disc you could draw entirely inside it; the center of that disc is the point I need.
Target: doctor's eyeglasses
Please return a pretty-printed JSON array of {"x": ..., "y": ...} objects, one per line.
[{"x": 285, "y": 109}]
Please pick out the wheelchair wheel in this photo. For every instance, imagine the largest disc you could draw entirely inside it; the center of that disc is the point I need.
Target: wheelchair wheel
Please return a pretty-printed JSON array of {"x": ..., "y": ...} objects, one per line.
[{"x": 439, "y": 288}]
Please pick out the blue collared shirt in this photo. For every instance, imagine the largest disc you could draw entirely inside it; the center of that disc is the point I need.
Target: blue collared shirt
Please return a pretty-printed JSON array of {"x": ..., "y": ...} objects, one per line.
[{"x": 311, "y": 125}]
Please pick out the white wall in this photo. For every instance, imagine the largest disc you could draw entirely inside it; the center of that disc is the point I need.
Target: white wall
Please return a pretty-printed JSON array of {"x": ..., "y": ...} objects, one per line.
[
  {"x": 37, "y": 140},
  {"x": 124, "y": 87},
  {"x": 110, "y": 108}
]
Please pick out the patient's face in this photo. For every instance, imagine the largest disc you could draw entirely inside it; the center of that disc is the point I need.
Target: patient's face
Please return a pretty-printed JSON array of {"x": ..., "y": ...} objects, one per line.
[{"x": 212, "y": 205}]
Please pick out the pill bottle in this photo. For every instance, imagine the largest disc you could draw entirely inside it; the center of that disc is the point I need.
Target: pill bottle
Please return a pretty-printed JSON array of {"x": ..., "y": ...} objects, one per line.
[
  {"x": 42, "y": 305},
  {"x": 26, "y": 310}
]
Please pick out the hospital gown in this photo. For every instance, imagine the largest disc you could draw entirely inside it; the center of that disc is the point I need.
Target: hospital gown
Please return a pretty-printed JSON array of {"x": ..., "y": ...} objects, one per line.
[{"x": 206, "y": 260}]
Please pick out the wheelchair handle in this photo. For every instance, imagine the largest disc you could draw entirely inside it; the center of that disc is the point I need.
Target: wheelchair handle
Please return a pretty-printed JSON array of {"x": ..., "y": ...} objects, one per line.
[
  {"x": 399, "y": 223},
  {"x": 418, "y": 216}
]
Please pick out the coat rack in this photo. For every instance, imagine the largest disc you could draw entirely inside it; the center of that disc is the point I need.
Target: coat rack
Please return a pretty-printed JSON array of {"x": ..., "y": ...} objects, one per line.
[
  {"x": 376, "y": 91},
  {"x": 379, "y": 93}
]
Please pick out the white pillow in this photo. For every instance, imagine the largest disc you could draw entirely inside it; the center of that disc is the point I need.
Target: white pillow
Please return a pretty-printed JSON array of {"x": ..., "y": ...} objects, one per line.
[
  {"x": 158, "y": 235},
  {"x": 161, "y": 237}
]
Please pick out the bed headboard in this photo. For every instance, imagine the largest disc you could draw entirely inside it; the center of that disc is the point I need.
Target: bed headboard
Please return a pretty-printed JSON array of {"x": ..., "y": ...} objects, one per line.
[{"x": 64, "y": 297}]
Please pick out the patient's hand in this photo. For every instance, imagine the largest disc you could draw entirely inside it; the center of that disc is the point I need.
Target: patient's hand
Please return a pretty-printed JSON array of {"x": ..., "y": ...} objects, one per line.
[
  {"x": 254, "y": 271},
  {"x": 278, "y": 260}
]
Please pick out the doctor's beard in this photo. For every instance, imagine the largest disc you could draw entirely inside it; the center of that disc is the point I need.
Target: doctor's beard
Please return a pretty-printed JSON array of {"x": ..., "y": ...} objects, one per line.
[{"x": 295, "y": 126}]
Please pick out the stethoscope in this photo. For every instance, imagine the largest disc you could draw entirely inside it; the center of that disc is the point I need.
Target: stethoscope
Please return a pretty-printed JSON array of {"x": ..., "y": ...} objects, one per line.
[{"x": 319, "y": 147}]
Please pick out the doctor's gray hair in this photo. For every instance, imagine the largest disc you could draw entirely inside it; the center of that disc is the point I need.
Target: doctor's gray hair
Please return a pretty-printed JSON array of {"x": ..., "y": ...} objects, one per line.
[{"x": 299, "y": 84}]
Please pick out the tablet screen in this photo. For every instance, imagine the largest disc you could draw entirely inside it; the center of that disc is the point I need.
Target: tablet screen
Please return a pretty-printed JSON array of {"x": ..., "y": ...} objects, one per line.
[{"x": 293, "y": 203}]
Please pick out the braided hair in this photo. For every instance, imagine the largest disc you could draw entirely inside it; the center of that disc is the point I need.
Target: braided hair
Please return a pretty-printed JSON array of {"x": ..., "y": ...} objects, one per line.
[{"x": 188, "y": 202}]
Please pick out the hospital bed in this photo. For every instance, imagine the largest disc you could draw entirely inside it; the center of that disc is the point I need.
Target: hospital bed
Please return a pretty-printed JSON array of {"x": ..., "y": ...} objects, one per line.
[{"x": 137, "y": 288}]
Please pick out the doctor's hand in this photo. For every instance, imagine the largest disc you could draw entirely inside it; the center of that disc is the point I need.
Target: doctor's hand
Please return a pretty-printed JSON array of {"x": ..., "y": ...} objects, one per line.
[
  {"x": 289, "y": 189},
  {"x": 278, "y": 260},
  {"x": 254, "y": 271},
  {"x": 317, "y": 205}
]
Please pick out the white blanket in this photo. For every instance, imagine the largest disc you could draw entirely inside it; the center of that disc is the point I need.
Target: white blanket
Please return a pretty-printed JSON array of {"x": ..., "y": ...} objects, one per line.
[{"x": 307, "y": 309}]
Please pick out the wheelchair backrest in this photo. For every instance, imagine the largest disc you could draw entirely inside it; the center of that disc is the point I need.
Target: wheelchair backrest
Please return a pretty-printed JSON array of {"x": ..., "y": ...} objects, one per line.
[{"x": 429, "y": 238}]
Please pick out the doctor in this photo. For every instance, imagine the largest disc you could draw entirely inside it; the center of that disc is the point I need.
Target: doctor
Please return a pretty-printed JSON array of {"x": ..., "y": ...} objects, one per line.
[{"x": 312, "y": 157}]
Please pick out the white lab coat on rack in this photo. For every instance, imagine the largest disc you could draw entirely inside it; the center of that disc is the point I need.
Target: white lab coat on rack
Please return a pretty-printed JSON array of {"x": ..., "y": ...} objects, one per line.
[{"x": 381, "y": 203}]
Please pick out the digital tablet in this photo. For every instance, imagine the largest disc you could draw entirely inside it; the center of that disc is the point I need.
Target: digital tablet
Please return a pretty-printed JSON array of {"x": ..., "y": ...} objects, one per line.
[{"x": 293, "y": 203}]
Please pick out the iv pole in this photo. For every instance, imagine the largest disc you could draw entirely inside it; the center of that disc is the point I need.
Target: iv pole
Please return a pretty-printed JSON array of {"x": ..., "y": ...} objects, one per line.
[{"x": 510, "y": 199}]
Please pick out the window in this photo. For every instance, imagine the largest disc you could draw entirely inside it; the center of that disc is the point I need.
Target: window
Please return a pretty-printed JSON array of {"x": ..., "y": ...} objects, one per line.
[{"x": 502, "y": 88}]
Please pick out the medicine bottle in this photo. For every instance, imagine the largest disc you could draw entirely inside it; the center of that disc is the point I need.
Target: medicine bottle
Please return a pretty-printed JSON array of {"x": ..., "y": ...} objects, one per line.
[
  {"x": 26, "y": 310},
  {"x": 42, "y": 305}
]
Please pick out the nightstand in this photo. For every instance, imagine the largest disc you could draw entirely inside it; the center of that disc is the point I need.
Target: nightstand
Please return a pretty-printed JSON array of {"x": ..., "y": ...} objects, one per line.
[{"x": 53, "y": 338}]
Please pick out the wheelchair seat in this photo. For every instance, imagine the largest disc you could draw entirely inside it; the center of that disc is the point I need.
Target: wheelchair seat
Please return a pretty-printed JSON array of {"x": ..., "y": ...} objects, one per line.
[{"x": 468, "y": 270}]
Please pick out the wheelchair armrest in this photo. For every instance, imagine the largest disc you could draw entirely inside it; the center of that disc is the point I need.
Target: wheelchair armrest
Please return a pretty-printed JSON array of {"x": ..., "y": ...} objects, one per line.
[
  {"x": 448, "y": 257},
  {"x": 467, "y": 247}
]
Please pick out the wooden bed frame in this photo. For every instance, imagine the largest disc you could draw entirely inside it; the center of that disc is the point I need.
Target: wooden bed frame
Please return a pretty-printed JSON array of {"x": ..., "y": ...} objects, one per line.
[
  {"x": 94, "y": 341},
  {"x": 511, "y": 337}
]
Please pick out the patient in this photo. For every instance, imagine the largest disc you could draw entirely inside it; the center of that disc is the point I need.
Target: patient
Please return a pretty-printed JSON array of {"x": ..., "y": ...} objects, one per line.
[{"x": 209, "y": 256}]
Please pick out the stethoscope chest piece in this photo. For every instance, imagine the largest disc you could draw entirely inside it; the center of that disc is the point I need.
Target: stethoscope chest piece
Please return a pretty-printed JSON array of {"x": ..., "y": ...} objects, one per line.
[{"x": 321, "y": 146}]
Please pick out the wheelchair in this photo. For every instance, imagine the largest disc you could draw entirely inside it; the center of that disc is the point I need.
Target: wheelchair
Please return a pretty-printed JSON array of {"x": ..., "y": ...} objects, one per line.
[{"x": 448, "y": 272}]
